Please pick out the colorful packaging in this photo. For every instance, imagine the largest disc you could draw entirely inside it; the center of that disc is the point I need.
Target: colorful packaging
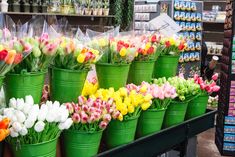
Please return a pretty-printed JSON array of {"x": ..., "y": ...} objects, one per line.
[
  {"x": 199, "y": 26},
  {"x": 229, "y": 129},
  {"x": 229, "y": 120},
  {"x": 197, "y": 56},
  {"x": 199, "y": 36},
  {"x": 199, "y": 17},
  {"x": 188, "y": 6},
  {"x": 193, "y": 6},
  {"x": 198, "y": 46},
  {"x": 188, "y": 16},
  {"x": 229, "y": 137},
  {"x": 182, "y": 5},
  {"x": 192, "y": 57},
  {"x": 182, "y": 16},
  {"x": 192, "y": 36},
  {"x": 188, "y": 26},
  {"x": 182, "y": 25},
  {"x": 193, "y": 17},
  {"x": 177, "y": 15},
  {"x": 177, "y": 5},
  {"x": 229, "y": 146},
  {"x": 186, "y": 57},
  {"x": 193, "y": 26}
]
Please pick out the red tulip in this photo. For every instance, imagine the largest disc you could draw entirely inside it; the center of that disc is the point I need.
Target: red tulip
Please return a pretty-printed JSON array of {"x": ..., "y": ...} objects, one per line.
[
  {"x": 18, "y": 58},
  {"x": 167, "y": 44},
  {"x": 150, "y": 50},
  {"x": 3, "y": 54},
  {"x": 215, "y": 76},
  {"x": 216, "y": 88},
  {"x": 154, "y": 39}
]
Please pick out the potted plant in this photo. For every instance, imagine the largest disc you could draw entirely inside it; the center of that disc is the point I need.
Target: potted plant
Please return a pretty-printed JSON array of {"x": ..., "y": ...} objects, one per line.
[
  {"x": 113, "y": 68},
  {"x": 100, "y": 8},
  {"x": 79, "y": 6},
  {"x": 94, "y": 7},
  {"x": 106, "y": 7},
  {"x": 69, "y": 70},
  {"x": 141, "y": 68},
  {"x": 90, "y": 118},
  {"x": 34, "y": 129},
  {"x": 88, "y": 6},
  {"x": 122, "y": 128},
  {"x": 186, "y": 90},
  {"x": 65, "y": 6},
  {"x": 27, "y": 78},
  {"x": 167, "y": 63},
  {"x": 151, "y": 120},
  {"x": 197, "y": 106}
]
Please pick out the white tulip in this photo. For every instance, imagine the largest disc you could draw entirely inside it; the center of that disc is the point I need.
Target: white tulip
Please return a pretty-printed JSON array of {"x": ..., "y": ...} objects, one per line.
[
  {"x": 29, "y": 123},
  {"x": 26, "y": 108},
  {"x": 51, "y": 116},
  {"x": 49, "y": 104},
  {"x": 20, "y": 116},
  {"x": 42, "y": 113},
  {"x": 66, "y": 125},
  {"x": 24, "y": 131},
  {"x": 20, "y": 104},
  {"x": 12, "y": 103},
  {"x": 13, "y": 133},
  {"x": 29, "y": 100},
  {"x": 56, "y": 104},
  {"x": 64, "y": 113},
  {"x": 17, "y": 126},
  {"x": 33, "y": 112},
  {"x": 39, "y": 126}
]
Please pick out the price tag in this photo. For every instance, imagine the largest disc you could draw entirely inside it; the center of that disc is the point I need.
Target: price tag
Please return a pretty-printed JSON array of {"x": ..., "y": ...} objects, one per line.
[{"x": 165, "y": 25}]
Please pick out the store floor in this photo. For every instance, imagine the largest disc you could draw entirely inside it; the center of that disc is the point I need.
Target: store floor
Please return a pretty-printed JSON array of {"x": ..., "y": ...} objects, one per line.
[{"x": 206, "y": 144}]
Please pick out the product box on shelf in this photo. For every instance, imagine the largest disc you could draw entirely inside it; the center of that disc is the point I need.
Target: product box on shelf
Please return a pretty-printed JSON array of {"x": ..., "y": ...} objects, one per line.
[
  {"x": 229, "y": 129},
  {"x": 229, "y": 146}
]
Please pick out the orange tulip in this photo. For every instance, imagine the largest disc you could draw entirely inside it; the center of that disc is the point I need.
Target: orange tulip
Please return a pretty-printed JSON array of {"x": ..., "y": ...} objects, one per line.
[
  {"x": 4, "y": 123},
  {"x": 4, "y": 133},
  {"x": 10, "y": 57}
]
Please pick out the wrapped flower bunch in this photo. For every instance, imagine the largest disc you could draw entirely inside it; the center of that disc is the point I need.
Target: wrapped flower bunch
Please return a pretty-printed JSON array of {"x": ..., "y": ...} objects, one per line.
[
  {"x": 4, "y": 130},
  {"x": 122, "y": 51},
  {"x": 207, "y": 87},
  {"x": 32, "y": 124},
  {"x": 72, "y": 55},
  {"x": 91, "y": 115},
  {"x": 44, "y": 50}
]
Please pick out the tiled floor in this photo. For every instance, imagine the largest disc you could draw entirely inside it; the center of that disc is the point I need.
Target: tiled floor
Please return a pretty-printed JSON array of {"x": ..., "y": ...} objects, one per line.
[{"x": 206, "y": 145}]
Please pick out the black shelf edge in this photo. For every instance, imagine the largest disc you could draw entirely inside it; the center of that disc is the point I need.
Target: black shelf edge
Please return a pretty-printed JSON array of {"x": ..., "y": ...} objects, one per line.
[{"x": 164, "y": 140}]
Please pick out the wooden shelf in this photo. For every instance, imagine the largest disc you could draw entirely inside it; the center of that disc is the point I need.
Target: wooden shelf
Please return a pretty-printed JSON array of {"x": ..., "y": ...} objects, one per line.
[
  {"x": 213, "y": 22},
  {"x": 57, "y": 14}
]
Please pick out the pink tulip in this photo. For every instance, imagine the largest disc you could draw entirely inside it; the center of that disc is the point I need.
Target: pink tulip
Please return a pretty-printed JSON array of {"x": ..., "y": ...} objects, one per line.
[
  {"x": 85, "y": 108},
  {"x": 107, "y": 117},
  {"x": 91, "y": 119},
  {"x": 81, "y": 100},
  {"x": 103, "y": 125},
  {"x": 202, "y": 86},
  {"x": 215, "y": 76},
  {"x": 69, "y": 107},
  {"x": 76, "y": 118},
  {"x": 216, "y": 88},
  {"x": 116, "y": 114},
  {"x": 84, "y": 117}
]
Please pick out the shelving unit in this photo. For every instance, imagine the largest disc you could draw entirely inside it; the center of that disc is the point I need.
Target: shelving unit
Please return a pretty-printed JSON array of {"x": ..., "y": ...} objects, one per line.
[{"x": 226, "y": 117}]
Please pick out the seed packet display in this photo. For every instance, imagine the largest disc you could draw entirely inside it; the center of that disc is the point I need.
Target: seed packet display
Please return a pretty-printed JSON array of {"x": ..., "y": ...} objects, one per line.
[
  {"x": 229, "y": 120},
  {"x": 186, "y": 57},
  {"x": 229, "y": 146},
  {"x": 229, "y": 137},
  {"x": 192, "y": 56}
]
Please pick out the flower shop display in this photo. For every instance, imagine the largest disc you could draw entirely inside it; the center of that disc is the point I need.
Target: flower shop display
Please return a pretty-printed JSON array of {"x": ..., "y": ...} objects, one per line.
[
  {"x": 90, "y": 118},
  {"x": 4, "y": 131},
  {"x": 114, "y": 72},
  {"x": 27, "y": 78},
  {"x": 122, "y": 128},
  {"x": 34, "y": 129},
  {"x": 141, "y": 68},
  {"x": 167, "y": 63},
  {"x": 151, "y": 120},
  {"x": 197, "y": 106},
  {"x": 186, "y": 90},
  {"x": 69, "y": 69}
]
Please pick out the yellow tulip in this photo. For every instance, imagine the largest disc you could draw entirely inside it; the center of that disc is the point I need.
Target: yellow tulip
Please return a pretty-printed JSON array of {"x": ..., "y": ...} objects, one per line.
[
  {"x": 147, "y": 46},
  {"x": 172, "y": 41},
  {"x": 145, "y": 106},
  {"x": 120, "y": 117},
  {"x": 123, "y": 52},
  {"x": 148, "y": 97},
  {"x": 131, "y": 108},
  {"x": 123, "y": 91},
  {"x": 81, "y": 58},
  {"x": 143, "y": 89}
]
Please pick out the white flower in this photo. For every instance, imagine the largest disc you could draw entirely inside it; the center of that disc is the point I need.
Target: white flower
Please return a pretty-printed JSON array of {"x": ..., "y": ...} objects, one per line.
[
  {"x": 49, "y": 104},
  {"x": 20, "y": 116},
  {"x": 17, "y": 126},
  {"x": 29, "y": 100},
  {"x": 24, "y": 131},
  {"x": 12, "y": 103},
  {"x": 66, "y": 125},
  {"x": 42, "y": 113},
  {"x": 13, "y": 133},
  {"x": 29, "y": 123},
  {"x": 26, "y": 108},
  {"x": 64, "y": 113},
  {"x": 51, "y": 115},
  {"x": 39, "y": 126},
  {"x": 33, "y": 112},
  {"x": 56, "y": 105},
  {"x": 20, "y": 104}
]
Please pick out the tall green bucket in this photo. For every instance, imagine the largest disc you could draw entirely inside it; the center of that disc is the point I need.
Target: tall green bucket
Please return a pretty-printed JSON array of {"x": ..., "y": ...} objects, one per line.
[
  {"x": 21, "y": 85},
  {"x": 197, "y": 106},
  {"x": 120, "y": 132},
  {"x": 66, "y": 85},
  {"x": 166, "y": 66},
  {"x": 175, "y": 113},
  {"x": 141, "y": 71},
  {"x": 45, "y": 149},
  {"x": 82, "y": 144},
  {"x": 112, "y": 75},
  {"x": 150, "y": 121},
  {"x": 1, "y": 80}
]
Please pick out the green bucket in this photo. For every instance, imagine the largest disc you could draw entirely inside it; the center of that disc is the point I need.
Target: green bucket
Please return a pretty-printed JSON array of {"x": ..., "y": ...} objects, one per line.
[
  {"x": 82, "y": 144},
  {"x": 175, "y": 113},
  {"x": 112, "y": 75},
  {"x": 1, "y": 80},
  {"x": 45, "y": 149},
  {"x": 197, "y": 106},
  {"x": 166, "y": 66},
  {"x": 21, "y": 85},
  {"x": 150, "y": 121},
  {"x": 66, "y": 85},
  {"x": 141, "y": 71},
  {"x": 120, "y": 132}
]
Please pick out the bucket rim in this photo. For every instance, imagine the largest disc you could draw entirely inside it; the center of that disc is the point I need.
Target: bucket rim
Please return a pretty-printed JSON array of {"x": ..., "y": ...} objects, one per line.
[
  {"x": 115, "y": 65},
  {"x": 156, "y": 110},
  {"x": 170, "y": 56},
  {"x": 28, "y": 73},
  {"x": 68, "y": 70},
  {"x": 149, "y": 61},
  {"x": 82, "y": 132}
]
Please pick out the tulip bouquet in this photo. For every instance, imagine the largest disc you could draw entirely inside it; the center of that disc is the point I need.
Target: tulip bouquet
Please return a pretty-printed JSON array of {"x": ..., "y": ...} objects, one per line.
[
  {"x": 4, "y": 131},
  {"x": 91, "y": 115},
  {"x": 72, "y": 55},
  {"x": 32, "y": 124},
  {"x": 172, "y": 46},
  {"x": 207, "y": 87},
  {"x": 43, "y": 53},
  {"x": 90, "y": 87},
  {"x": 185, "y": 89},
  {"x": 122, "y": 51}
]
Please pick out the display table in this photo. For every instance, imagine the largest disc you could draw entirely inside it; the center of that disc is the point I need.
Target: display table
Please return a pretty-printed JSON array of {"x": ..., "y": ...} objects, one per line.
[{"x": 166, "y": 139}]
